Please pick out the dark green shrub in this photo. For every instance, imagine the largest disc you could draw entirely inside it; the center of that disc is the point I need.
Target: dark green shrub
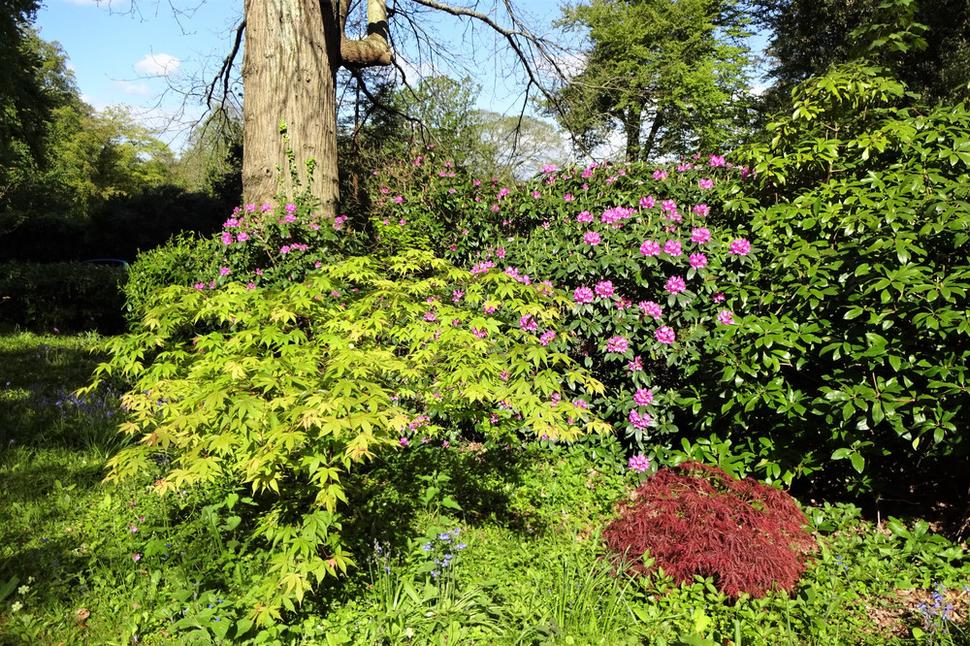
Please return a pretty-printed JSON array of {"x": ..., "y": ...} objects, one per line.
[
  {"x": 61, "y": 297},
  {"x": 856, "y": 340},
  {"x": 184, "y": 260}
]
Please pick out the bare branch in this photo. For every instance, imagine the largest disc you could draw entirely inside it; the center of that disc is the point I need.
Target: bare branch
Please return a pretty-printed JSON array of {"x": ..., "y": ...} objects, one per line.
[{"x": 226, "y": 69}]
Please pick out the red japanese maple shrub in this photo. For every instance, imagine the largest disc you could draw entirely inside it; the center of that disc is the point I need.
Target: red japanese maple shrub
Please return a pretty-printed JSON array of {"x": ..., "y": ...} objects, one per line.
[{"x": 694, "y": 519}]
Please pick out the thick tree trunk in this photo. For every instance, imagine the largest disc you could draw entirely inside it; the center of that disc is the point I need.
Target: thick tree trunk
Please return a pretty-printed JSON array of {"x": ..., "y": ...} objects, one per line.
[
  {"x": 293, "y": 51},
  {"x": 289, "y": 71}
]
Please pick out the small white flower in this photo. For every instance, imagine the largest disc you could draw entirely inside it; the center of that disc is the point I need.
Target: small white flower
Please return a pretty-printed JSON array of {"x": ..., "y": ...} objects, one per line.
[
  {"x": 23, "y": 590},
  {"x": 16, "y": 606}
]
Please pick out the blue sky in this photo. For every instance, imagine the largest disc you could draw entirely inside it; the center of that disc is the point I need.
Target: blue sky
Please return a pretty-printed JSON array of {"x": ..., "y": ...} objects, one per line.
[{"x": 141, "y": 54}]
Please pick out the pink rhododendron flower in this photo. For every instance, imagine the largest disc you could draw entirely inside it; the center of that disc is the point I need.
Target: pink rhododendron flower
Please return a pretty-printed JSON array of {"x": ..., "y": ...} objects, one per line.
[
  {"x": 250, "y": 208},
  {"x": 716, "y": 161},
  {"x": 481, "y": 333},
  {"x": 549, "y": 168},
  {"x": 482, "y": 267},
  {"x": 242, "y": 236},
  {"x": 640, "y": 421},
  {"x": 584, "y": 217},
  {"x": 660, "y": 175},
  {"x": 668, "y": 205},
  {"x": 338, "y": 222},
  {"x": 502, "y": 193},
  {"x": 647, "y": 202},
  {"x": 581, "y": 403},
  {"x": 500, "y": 252},
  {"x": 682, "y": 168},
  {"x": 675, "y": 285},
  {"x": 250, "y": 285},
  {"x": 536, "y": 195},
  {"x": 636, "y": 365},
  {"x": 649, "y": 308},
  {"x": 740, "y": 247},
  {"x": 617, "y": 344},
  {"x": 495, "y": 208},
  {"x": 700, "y": 235},
  {"x": 706, "y": 183},
  {"x": 698, "y": 260},
  {"x": 604, "y": 289},
  {"x": 547, "y": 337},
  {"x": 404, "y": 442},
  {"x": 224, "y": 271},
  {"x": 672, "y": 248},
  {"x": 398, "y": 199},
  {"x": 643, "y": 397},
  {"x": 650, "y": 248},
  {"x": 587, "y": 172},
  {"x": 289, "y": 218},
  {"x": 568, "y": 197},
  {"x": 528, "y": 323},
  {"x": 639, "y": 462},
  {"x": 665, "y": 335},
  {"x": 227, "y": 238},
  {"x": 719, "y": 297},
  {"x": 489, "y": 309},
  {"x": 456, "y": 295},
  {"x": 430, "y": 316},
  {"x": 583, "y": 295},
  {"x": 592, "y": 238},
  {"x": 725, "y": 317},
  {"x": 199, "y": 285},
  {"x": 702, "y": 210}
]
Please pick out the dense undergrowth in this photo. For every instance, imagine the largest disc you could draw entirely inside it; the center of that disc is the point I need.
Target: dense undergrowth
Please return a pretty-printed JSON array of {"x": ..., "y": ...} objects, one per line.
[{"x": 457, "y": 544}]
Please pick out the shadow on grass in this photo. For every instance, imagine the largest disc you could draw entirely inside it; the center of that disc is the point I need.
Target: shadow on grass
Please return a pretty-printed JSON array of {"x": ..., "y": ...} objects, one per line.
[
  {"x": 384, "y": 501},
  {"x": 38, "y": 376}
]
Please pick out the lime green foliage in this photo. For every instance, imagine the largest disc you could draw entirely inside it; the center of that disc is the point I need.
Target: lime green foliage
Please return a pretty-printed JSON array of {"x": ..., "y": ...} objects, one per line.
[
  {"x": 283, "y": 392},
  {"x": 858, "y": 339}
]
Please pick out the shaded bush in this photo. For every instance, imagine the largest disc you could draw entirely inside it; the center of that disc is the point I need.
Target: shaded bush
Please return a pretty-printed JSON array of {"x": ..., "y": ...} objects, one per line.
[
  {"x": 855, "y": 345},
  {"x": 65, "y": 297},
  {"x": 695, "y": 520},
  {"x": 119, "y": 228},
  {"x": 184, "y": 260}
]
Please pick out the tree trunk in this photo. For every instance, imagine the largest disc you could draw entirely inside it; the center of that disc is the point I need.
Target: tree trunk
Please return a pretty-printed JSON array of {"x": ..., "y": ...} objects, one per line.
[
  {"x": 652, "y": 137},
  {"x": 289, "y": 72},
  {"x": 631, "y": 125}
]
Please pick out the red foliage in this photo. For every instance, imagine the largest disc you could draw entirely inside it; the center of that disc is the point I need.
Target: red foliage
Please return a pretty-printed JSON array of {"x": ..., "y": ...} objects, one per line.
[{"x": 695, "y": 519}]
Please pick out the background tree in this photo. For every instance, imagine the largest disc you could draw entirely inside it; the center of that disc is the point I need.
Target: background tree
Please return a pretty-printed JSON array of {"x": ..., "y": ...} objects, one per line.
[
  {"x": 671, "y": 76},
  {"x": 808, "y": 36}
]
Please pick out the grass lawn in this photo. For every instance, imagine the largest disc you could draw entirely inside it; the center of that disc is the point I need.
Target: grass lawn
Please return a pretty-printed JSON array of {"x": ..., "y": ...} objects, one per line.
[{"x": 454, "y": 545}]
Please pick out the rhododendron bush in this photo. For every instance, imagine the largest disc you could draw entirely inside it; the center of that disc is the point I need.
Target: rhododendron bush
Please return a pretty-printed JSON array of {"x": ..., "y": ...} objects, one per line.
[
  {"x": 856, "y": 339},
  {"x": 640, "y": 249},
  {"x": 281, "y": 392}
]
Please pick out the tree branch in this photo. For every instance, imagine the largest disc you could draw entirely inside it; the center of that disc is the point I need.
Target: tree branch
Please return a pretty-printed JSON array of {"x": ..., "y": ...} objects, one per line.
[
  {"x": 225, "y": 70},
  {"x": 373, "y": 49}
]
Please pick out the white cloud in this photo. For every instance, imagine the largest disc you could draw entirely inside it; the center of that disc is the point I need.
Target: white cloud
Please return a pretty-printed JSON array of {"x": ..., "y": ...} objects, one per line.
[
  {"x": 158, "y": 65},
  {"x": 84, "y": 3}
]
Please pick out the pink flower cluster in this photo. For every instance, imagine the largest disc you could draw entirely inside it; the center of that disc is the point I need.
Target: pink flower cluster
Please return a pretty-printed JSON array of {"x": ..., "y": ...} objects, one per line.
[
  {"x": 639, "y": 463},
  {"x": 640, "y": 420},
  {"x": 617, "y": 344},
  {"x": 740, "y": 247}
]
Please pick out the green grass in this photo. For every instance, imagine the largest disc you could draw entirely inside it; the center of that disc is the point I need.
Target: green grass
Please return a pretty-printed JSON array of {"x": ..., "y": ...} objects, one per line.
[{"x": 530, "y": 571}]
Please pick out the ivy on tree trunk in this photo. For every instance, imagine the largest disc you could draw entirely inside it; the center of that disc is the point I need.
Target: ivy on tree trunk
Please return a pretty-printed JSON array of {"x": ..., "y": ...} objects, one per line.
[{"x": 293, "y": 51}]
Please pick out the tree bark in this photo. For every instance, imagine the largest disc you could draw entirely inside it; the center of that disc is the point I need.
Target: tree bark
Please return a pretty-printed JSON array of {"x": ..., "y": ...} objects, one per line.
[
  {"x": 293, "y": 51},
  {"x": 652, "y": 137},
  {"x": 631, "y": 126}
]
